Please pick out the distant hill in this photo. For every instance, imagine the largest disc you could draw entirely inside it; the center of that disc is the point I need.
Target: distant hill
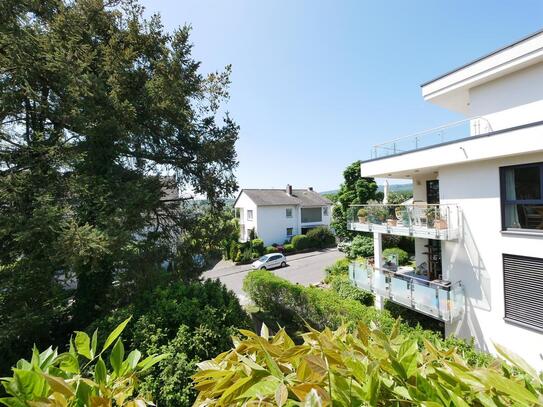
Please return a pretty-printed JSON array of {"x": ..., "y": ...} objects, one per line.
[{"x": 380, "y": 188}]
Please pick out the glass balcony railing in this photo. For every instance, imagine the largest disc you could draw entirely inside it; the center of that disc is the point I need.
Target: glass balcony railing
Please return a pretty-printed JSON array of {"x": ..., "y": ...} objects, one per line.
[
  {"x": 442, "y": 134},
  {"x": 442, "y": 300},
  {"x": 429, "y": 221}
]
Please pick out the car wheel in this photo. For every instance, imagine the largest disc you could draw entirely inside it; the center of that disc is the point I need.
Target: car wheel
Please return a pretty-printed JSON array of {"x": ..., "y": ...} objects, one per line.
[
  {"x": 263, "y": 268},
  {"x": 284, "y": 264}
]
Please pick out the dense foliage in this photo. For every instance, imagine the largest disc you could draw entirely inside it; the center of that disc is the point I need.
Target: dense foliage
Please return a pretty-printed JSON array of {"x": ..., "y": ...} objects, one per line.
[
  {"x": 294, "y": 306},
  {"x": 97, "y": 106},
  {"x": 402, "y": 256},
  {"x": 355, "y": 189},
  {"x": 81, "y": 376},
  {"x": 361, "y": 246},
  {"x": 360, "y": 367},
  {"x": 321, "y": 237},
  {"x": 188, "y": 322}
]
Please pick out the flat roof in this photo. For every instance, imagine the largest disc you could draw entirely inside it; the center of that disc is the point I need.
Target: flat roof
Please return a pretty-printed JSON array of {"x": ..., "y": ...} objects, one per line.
[{"x": 483, "y": 57}]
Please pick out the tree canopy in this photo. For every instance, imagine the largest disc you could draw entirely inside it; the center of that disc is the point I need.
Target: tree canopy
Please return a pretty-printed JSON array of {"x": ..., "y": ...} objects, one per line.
[{"x": 102, "y": 116}]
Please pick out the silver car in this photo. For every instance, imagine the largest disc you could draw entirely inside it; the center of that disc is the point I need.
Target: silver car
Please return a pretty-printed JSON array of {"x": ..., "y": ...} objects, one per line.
[{"x": 270, "y": 261}]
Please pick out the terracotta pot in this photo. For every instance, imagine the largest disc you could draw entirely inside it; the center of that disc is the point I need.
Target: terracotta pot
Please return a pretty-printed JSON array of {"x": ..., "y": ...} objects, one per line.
[
  {"x": 361, "y": 219},
  {"x": 392, "y": 222},
  {"x": 440, "y": 224}
]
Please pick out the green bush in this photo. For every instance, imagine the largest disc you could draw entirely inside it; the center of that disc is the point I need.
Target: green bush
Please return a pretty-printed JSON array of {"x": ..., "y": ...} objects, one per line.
[
  {"x": 289, "y": 248},
  {"x": 297, "y": 306},
  {"x": 301, "y": 242},
  {"x": 271, "y": 249},
  {"x": 258, "y": 246},
  {"x": 346, "y": 290},
  {"x": 362, "y": 367},
  {"x": 339, "y": 268},
  {"x": 361, "y": 246},
  {"x": 81, "y": 376},
  {"x": 403, "y": 257},
  {"x": 321, "y": 237},
  {"x": 403, "y": 242},
  {"x": 234, "y": 250},
  {"x": 190, "y": 322}
]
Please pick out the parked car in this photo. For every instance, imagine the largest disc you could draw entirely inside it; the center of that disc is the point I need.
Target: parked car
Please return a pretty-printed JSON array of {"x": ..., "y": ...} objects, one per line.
[{"x": 270, "y": 261}]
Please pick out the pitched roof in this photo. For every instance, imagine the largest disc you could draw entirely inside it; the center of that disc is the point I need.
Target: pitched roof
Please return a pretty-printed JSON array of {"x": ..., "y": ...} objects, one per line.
[{"x": 270, "y": 197}]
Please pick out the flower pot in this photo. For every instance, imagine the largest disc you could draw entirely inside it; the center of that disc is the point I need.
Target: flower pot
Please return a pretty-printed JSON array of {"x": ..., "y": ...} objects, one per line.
[
  {"x": 392, "y": 222},
  {"x": 440, "y": 224},
  {"x": 361, "y": 219}
]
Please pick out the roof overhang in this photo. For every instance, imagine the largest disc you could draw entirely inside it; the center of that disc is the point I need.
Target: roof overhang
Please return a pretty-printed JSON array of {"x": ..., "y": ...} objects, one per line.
[{"x": 451, "y": 90}]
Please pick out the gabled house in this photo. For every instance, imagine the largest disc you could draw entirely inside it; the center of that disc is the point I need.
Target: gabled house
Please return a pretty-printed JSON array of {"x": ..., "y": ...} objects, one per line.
[
  {"x": 477, "y": 213},
  {"x": 276, "y": 215}
]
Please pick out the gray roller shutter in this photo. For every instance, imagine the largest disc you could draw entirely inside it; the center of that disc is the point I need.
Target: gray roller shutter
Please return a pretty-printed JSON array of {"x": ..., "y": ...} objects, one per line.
[{"x": 523, "y": 290}]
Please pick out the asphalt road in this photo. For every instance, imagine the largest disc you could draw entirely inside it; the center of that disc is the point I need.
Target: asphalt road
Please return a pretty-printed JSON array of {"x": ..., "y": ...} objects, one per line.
[{"x": 305, "y": 268}]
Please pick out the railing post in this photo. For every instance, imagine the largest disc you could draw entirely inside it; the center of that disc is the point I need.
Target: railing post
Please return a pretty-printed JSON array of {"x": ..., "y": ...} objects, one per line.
[
  {"x": 439, "y": 313},
  {"x": 378, "y": 264}
]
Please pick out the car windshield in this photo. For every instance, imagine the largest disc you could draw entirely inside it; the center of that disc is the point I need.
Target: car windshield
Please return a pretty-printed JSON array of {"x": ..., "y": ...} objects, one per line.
[{"x": 263, "y": 259}]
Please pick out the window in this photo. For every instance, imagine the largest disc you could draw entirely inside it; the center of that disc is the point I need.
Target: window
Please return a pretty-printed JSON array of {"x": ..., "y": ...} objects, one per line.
[
  {"x": 522, "y": 196},
  {"x": 289, "y": 212},
  {"x": 324, "y": 211},
  {"x": 311, "y": 215},
  {"x": 250, "y": 214},
  {"x": 289, "y": 232},
  {"x": 522, "y": 287}
]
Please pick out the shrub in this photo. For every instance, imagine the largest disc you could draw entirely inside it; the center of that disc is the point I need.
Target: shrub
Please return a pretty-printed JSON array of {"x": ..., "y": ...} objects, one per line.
[
  {"x": 339, "y": 268},
  {"x": 271, "y": 249},
  {"x": 367, "y": 367},
  {"x": 321, "y": 237},
  {"x": 301, "y": 242},
  {"x": 81, "y": 376},
  {"x": 289, "y": 248},
  {"x": 298, "y": 306},
  {"x": 361, "y": 246},
  {"x": 346, "y": 290},
  {"x": 403, "y": 257},
  {"x": 403, "y": 242},
  {"x": 258, "y": 246},
  {"x": 234, "y": 250},
  {"x": 190, "y": 322}
]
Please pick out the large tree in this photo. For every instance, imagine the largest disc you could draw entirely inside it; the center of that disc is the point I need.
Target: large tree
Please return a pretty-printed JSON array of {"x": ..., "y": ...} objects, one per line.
[
  {"x": 355, "y": 189},
  {"x": 97, "y": 106}
]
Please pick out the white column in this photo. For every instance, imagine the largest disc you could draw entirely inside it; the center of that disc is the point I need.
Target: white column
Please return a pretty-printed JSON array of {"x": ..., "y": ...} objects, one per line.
[{"x": 378, "y": 263}]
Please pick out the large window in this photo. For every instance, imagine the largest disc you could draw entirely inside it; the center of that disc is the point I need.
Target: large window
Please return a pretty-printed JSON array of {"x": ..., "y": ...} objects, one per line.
[
  {"x": 523, "y": 284},
  {"x": 522, "y": 197},
  {"x": 311, "y": 215}
]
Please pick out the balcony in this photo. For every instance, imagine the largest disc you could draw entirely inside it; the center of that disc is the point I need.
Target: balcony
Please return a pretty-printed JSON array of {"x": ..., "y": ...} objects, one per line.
[
  {"x": 450, "y": 132},
  {"x": 439, "y": 299},
  {"x": 428, "y": 221}
]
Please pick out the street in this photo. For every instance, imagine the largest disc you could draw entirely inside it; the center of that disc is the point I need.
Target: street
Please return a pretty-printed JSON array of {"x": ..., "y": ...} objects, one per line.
[{"x": 304, "y": 268}]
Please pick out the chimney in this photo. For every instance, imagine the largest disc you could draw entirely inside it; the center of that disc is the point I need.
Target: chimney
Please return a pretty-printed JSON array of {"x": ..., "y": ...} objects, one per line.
[
  {"x": 310, "y": 188},
  {"x": 289, "y": 189}
]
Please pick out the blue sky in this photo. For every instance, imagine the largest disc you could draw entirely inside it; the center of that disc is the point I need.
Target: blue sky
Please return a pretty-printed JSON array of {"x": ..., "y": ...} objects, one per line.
[{"x": 316, "y": 83}]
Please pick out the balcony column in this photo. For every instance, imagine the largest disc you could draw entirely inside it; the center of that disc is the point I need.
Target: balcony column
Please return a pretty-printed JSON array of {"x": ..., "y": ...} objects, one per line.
[{"x": 378, "y": 264}]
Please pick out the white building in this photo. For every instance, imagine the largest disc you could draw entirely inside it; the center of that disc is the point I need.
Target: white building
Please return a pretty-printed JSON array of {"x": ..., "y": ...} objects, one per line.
[
  {"x": 478, "y": 204},
  {"x": 278, "y": 214}
]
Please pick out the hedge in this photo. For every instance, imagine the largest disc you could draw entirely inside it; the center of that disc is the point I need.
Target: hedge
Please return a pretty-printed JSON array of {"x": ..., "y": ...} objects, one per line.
[
  {"x": 298, "y": 305},
  {"x": 403, "y": 257}
]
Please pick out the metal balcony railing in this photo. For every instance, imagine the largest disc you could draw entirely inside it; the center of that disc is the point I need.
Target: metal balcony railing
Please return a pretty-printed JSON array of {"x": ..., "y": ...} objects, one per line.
[
  {"x": 430, "y": 221},
  {"x": 449, "y": 132},
  {"x": 442, "y": 300}
]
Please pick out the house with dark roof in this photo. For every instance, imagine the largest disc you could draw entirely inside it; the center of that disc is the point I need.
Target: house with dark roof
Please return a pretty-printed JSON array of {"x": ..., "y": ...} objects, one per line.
[{"x": 276, "y": 215}]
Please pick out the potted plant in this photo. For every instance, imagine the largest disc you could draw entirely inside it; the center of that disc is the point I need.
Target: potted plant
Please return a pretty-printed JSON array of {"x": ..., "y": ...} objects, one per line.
[
  {"x": 362, "y": 213},
  {"x": 430, "y": 216},
  {"x": 391, "y": 220}
]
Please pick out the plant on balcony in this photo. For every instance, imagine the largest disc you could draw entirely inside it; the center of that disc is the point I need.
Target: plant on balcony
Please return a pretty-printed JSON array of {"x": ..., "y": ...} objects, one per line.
[
  {"x": 431, "y": 213},
  {"x": 377, "y": 213},
  {"x": 362, "y": 213},
  {"x": 402, "y": 214}
]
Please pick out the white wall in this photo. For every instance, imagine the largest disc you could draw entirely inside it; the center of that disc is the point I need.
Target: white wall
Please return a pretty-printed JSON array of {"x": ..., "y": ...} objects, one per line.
[
  {"x": 511, "y": 100},
  {"x": 244, "y": 204},
  {"x": 273, "y": 223},
  {"x": 476, "y": 258}
]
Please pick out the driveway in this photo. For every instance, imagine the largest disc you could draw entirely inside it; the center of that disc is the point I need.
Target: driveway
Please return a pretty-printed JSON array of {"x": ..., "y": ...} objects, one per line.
[{"x": 305, "y": 268}]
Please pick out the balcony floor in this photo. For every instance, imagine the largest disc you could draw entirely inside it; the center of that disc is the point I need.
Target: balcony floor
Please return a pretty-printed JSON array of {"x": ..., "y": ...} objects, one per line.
[{"x": 412, "y": 231}]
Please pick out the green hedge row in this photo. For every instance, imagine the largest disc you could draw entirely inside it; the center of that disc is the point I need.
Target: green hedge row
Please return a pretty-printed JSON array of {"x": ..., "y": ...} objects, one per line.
[{"x": 298, "y": 305}]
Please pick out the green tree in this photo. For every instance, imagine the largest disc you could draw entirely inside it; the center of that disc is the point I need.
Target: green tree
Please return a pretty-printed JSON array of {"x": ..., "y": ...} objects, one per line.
[
  {"x": 97, "y": 104},
  {"x": 354, "y": 190}
]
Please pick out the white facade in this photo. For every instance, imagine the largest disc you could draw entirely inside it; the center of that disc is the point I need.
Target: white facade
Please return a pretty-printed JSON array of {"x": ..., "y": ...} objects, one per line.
[
  {"x": 278, "y": 222},
  {"x": 506, "y": 90}
]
